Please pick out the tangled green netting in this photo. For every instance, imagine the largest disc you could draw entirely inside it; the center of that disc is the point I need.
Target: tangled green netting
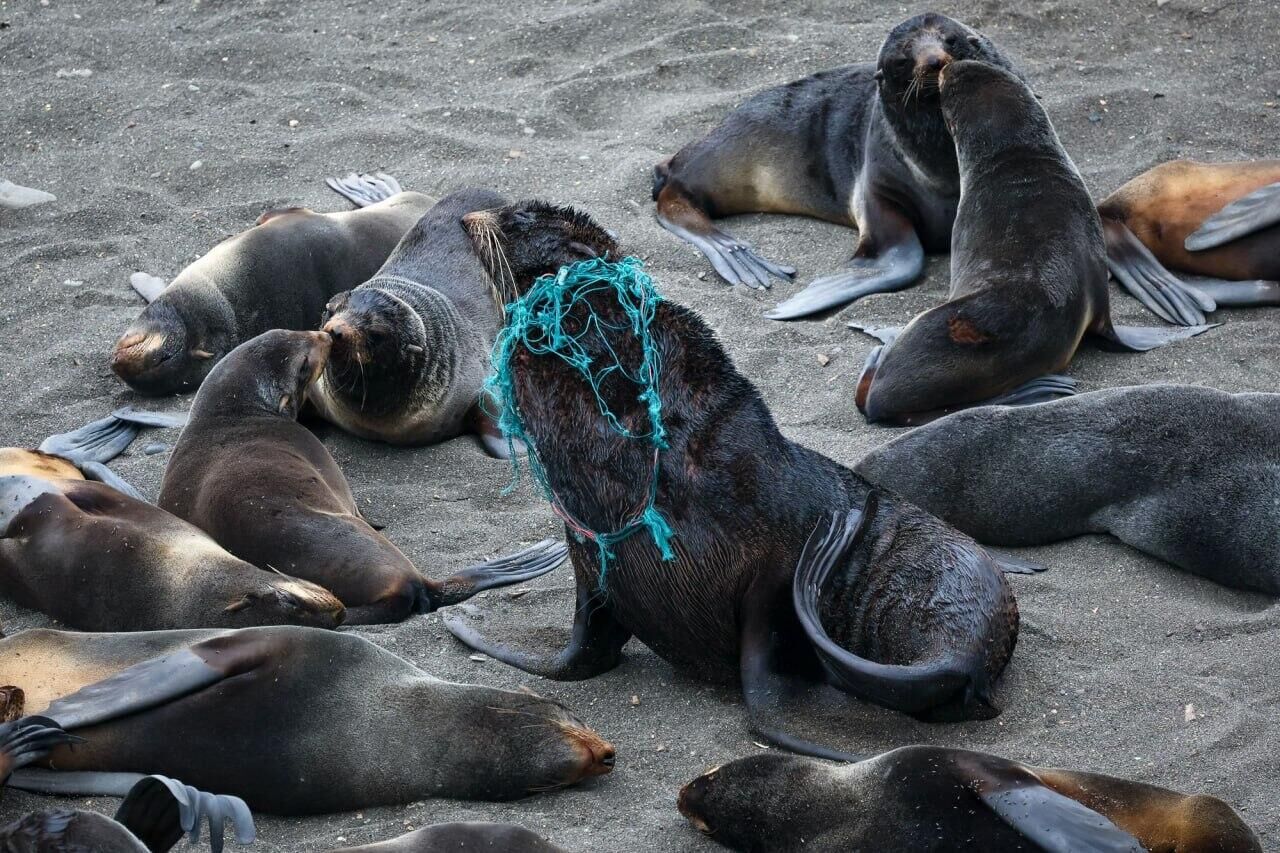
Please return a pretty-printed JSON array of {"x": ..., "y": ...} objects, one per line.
[{"x": 535, "y": 322}]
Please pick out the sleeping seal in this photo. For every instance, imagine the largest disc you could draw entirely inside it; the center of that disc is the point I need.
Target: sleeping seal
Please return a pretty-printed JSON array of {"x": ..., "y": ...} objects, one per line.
[
  {"x": 1219, "y": 222},
  {"x": 411, "y": 345},
  {"x": 785, "y": 565},
  {"x": 861, "y": 145},
  {"x": 277, "y": 275},
  {"x": 928, "y": 798},
  {"x": 1028, "y": 267},
  {"x": 292, "y": 720},
  {"x": 266, "y": 489},
  {"x": 1143, "y": 464},
  {"x": 462, "y": 838}
]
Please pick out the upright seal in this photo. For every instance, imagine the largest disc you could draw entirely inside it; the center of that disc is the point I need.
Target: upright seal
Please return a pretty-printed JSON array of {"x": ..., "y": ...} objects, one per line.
[
  {"x": 1028, "y": 267},
  {"x": 784, "y": 565},
  {"x": 861, "y": 145},
  {"x": 277, "y": 275}
]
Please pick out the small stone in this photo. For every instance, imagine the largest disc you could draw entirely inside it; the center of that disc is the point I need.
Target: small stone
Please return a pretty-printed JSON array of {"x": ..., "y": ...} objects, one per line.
[
  {"x": 1095, "y": 117},
  {"x": 478, "y": 658},
  {"x": 662, "y": 747},
  {"x": 1157, "y": 95},
  {"x": 635, "y": 700},
  {"x": 73, "y": 72},
  {"x": 529, "y": 131},
  {"x": 293, "y": 122},
  {"x": 153, "y": 449},
  {"x": 518, "y": 593},
  {"x": 196, "y": 166},
  {"x": 73, "y": 282},
  {"x": 515, "y": 153},
  {"x": 702, "y": 276},
  {"x": 192, "y": 87},
  {"x": 824, "y": 359},
  {"x": 1160, "y": 4},
  {"x": 15, "y": 197},
  {"x": 1189, "y": 714}
]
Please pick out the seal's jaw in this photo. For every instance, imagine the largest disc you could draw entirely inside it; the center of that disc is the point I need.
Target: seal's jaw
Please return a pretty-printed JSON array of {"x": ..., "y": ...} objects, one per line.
[{"x": 156, "y": 356}]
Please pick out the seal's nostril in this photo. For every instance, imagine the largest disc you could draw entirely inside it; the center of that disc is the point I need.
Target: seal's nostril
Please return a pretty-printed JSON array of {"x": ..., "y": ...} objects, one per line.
[
  {"x": 608, "y": 760},
  {"x": 936, "y": 63}
]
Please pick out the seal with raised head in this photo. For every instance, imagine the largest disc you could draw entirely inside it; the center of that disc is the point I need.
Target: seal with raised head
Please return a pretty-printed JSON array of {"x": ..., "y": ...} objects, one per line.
[
  {"x": 292, "y": 720},
  {"x": 266, "y": 489},
  {"x": 1218, "y": 222},
  {"x": 930, "y": 798},
  {"x": 456, "y": 837},
  {"x": 1139, "y": 463},
  {"x": 785, "y": 565},
  {"x": 98, "y": 560},
  {"x": 1028, "y": 267},
  {"x": 277, "y": 275},
  {"x": 411, "y": 345},
  {"x": 861, "y": 145}
]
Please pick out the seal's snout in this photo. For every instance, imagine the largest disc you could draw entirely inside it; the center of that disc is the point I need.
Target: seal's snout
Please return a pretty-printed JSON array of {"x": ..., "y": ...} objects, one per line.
[
  {"x": 690, "y": 800},
  {"x": 596, "y": 755},
  {"x": 862, "y": 397}
]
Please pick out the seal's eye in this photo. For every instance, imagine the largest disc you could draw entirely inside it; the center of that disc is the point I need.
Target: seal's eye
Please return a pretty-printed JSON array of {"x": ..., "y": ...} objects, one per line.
[
  {"x": 951, "y": 41},
  {"x": 975, "y": 42}
]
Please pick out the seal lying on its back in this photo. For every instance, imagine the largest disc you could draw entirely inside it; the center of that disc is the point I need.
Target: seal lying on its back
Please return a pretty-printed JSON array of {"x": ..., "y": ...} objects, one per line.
[
  {"x": 462, "y": 838},
  {"x": 861, "y": 145},
  {"x": 1028, "y": 266},
  {"x": 885, "y": 601},
  {"x": 293, "y": 720},
  {"x": 928, "y": 798},
  {"x": 277, "y": 275},
  {"x": 411, "y": 345},
  {"x": 1184, "y": 473},
  {"x": 1220, "y": 220},
  {"x": 266, "y": 489},
  {"x": 98, "y": 560}
]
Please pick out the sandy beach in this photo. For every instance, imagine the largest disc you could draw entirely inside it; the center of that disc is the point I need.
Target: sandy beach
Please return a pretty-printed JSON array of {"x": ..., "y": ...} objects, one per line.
[{"x": 197, "y": 115}]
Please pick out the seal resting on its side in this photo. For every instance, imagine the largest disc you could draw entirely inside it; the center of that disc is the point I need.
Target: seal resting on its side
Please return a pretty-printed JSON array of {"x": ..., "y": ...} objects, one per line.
[{"x": 462, "y": 838}]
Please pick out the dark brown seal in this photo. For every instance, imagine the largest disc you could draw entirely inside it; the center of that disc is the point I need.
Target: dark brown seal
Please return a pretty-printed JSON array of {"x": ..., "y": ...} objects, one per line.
[
  {"x": 266, "y": 489},
  {"x": 861, "y": 145},
  {"x": 277, "y": 275},
  {"x": 1028, "y": 267},
  {"x": 787, "y": 565},
  {"x": 944, "y": 800},
  {"x": 292, "y": 720},
  {"x": 1219, "y": 222},
  {"x": 460, "y": 837}
]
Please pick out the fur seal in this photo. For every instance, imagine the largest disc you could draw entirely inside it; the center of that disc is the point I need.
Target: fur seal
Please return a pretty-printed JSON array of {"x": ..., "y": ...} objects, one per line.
[
  {"x": 787, "y": 565},
  {"x": 411, "y": 345},
  {"x": 1217, "y": 221},
  {"x": 1028, "y": 266},
  {"x": 266, "y": 489},
  {"x": 462, "y": 838},
  {"x": 928, "y": 798},
  {"x": 278, "y": 274},
  {"x": 154, "y": 816},
  {"x": 1137, "y": 463},
  {"x": 861, "y": 145},
  {"x": 98, "y": 560},
  {"x": 269, "y": 714}
]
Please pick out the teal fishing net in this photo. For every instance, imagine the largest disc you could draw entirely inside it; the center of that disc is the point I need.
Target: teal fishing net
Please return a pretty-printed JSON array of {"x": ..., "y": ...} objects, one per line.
[{"x": 536, "y": 322}]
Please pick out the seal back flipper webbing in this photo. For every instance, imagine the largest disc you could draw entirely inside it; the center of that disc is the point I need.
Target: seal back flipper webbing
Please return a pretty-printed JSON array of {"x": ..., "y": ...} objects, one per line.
[
  {"x": 365, "y": 189},
  {"x": 897, "y": 266},
  {"x": 532, "y": 562},
  {"x": 159, "y": 810},
  {"x": 1144, "y": 338},
  {"x": 1246, "y": 215},
  {"x": 1146, "y": 279},
  {"x": 93, "y": 445},
  {"x": 28, "y": 739}
]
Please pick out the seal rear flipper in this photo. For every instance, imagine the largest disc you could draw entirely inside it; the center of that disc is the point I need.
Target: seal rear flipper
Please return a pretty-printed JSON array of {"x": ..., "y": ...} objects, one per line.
[
  {"x": 1238, "y": 294},
  {"x": 734, "y": 260},
  {"x": 91, "y": 446},
  {"x": 159, "y": 810},
  {"x": 1144, "y": 338},
  {"x": 884, "y": 334},
  {"x": 149, "y": 287},
  {"x": 365, "y": 189},
  {"x": 1246, "y": 215},
  {"x": 532, "y": 562},
  {"x": 485, "y": 428},
  {"x": 16, "y": 493},
  {"x": 1012, "y": 564},
  {"x": 896, "y": 266},
  {"x": 29, "y": 739},
  {"x": 920, "y": 689},
  {"x": 1042, "y": 389},
  {"x": 1146, "y": 279}
]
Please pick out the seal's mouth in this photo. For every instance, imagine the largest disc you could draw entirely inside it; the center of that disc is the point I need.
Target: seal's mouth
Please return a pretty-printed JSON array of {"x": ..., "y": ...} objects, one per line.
[{"x": 685, "y": 804}]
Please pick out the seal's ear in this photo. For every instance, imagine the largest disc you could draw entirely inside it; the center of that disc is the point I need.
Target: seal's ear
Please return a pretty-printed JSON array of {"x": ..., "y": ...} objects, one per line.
[
  {"x": 244, "y": 602},
  {"x": 975, "y": 42}
]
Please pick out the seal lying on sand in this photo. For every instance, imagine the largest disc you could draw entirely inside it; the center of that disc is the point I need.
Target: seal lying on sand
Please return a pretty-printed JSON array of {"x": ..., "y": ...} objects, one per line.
[
  {"x": 411, "y": 345},
  {"x": 861, "y": 145},
  {"x": 266, "y": 489},
  {"x": 98, "y": 560},
  {"x": 942, "y": 800},
  {"x": 456, "y": 837},
  {"x": 293, "y": 720},
  {"x": 1218, "y": 221},
  {"x": 885, "y": 601},
  {"x": 277, "y": 275},
  {"x": 1028, "y": 266},
  {"x": 154, "y": 816},
  {"x": 1139, "y": 463}
]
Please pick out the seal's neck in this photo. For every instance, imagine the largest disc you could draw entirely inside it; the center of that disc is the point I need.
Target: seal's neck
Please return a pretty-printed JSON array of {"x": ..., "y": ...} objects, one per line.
[{"x": 921, "y": 136}]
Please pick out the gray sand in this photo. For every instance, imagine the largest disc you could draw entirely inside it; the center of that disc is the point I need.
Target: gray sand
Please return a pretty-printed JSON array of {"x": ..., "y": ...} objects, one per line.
[{"x": 575, "y": 102}]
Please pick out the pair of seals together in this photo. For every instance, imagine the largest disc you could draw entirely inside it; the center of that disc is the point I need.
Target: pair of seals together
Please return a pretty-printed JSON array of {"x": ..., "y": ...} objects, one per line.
[{"x": 787, "y": 566}]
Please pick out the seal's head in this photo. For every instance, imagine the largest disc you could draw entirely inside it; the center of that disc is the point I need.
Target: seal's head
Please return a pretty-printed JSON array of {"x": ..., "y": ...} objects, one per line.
[
  {"x": 270, "y": 373},
  {"x": 917, "y": 50},
  {"x": 743, "y": 801},
  {"x": 522, "y": 241},
  {"x": 163, "y": 353},
  {"x": 986, "y": 107},
  {"x": 289, "y": 601},
  {"x": 378, "y": 345}
]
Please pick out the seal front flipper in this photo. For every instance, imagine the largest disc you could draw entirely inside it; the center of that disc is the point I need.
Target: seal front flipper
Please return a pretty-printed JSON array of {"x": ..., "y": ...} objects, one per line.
[
  {"x": 1042, "y": 389},
  {"x": 898, "y": 264},
  {"x": 1012, "y": 564},
  {"x": 884, "y": 334},
  {"x": 1053, "y": 822},
  {"x": 485, "y": 428},
  {"x": 734, "y": 260},
  {"x": 159, "y": 810},
  {"x": 29, "y": 739},
  {"x": 1147, "y": 280},
  {"x": 1246, "y": 215},
  {"x": 595, "y": 646},
  {"x": 364, "y": 190},
  {"x": 534, "y": 561},
  {"x": 1144, "y": 338}
]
